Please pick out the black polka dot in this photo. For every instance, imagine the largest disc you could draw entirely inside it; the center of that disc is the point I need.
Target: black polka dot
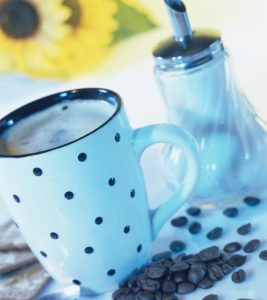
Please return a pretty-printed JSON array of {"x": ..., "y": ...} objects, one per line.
[
  {"x": 43, "y": 253},
  {"x": 54, "y": 235},
  {"x": 99, "y": 220},
  {"x": 65, "y": 107},
  {"x": 77, "y": 282},
  {"x": 127, "y": 229},
  {"x": 16, "y": 198},
  {"x": 112, "y": 181},
  {"x": 139, "y": 248},
  {"x": 117, "y": 137},
  {"x": 37, "y": 172},
  {"x": 82, "y": 157},
  {"x": 132, "y": 193},
  {"x": 69, "y": 195},
  {"x": 111, "y": 272},
  {"x": 89, "y": 250}
]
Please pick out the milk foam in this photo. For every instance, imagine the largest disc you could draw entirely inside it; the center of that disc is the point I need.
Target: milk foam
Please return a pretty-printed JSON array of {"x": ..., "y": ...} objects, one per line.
[{"x": 56, "y": 126}]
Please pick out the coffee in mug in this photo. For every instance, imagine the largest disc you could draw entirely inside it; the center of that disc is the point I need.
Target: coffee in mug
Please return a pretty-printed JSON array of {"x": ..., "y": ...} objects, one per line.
[{"x": 55, "y": 126}]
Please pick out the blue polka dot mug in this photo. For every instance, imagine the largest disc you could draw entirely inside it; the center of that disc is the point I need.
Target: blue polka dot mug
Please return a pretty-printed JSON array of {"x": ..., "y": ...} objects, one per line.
[{"x": 82, "y": 206}]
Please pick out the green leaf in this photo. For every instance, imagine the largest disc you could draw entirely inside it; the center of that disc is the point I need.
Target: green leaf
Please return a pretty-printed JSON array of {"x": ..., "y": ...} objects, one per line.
[{"x": 131, "y": 22}]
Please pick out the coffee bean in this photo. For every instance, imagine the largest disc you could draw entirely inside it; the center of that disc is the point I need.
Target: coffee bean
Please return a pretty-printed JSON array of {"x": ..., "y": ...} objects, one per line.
[
  {"x": 221, "y": 260},
  {"x": 158, "y": 295},
  {"x": 205, "y": 283},
  {"x": 209, "y": 254},
  {"x": 193, "y": 211},
  {"x": 180, "y": 277},
  {"x": 161, "y": 256},
  {"x": 151, "y": 285},
  {"x": 239, "y": 276},
  {"x": 142, "y": 278},
  {"x": 144, "y": 296},
  {"x": 252, "y": 201},
  {"x": 134, "y": 284},
  {"x": 179, "y": 257},
  {"x": 252, "y": 246},
  {"x": 227, "y": 269},
  {"x": 177, "y": 246},
  {"x": 195, "y": 228},
  {"x": 168, "y": 286},
  {"x": 231, "y": 212},
  {"x": 196, "y": 274},
  {"x": 263, "y": 255},
  {"x": 185, "y": 288},
  {"x": 211, "y": 297},
  {"x": 169, "y": 297},
  {"x": 192, "y": 259},
  {"x": 123, "y": 284},
  {"x": 179, "y": 222},
  {"x": 215, "y": 272},
  {"x": 167, "y": 262},
  {"x": 155, "y": 271},
  {"x": 179, "y": 267},
  {"x": 126, "y": 297},
  {"x": 121, "y": 294},
  {"x": 215, "y": 233},
  {"x": 232, "y": 247},
  {"x": 237, "y": 260},
  {"x": 244, "y": 229}
]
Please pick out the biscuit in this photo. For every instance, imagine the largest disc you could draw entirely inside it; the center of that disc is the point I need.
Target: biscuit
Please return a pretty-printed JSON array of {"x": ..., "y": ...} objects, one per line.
[
  {"x": 10, "y": 237},
  {"x": 13, "y": 260},
  {"x": 25, "y": 284}
]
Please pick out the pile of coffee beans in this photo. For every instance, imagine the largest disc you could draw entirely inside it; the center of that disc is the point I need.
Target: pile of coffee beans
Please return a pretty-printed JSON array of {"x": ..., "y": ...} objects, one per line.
[{"x": 168, "y": 276}]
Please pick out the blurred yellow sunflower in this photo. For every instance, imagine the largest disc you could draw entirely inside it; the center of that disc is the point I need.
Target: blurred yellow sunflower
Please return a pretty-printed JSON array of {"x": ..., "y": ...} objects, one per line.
[
  {"x": 137, "y": 4},
  {"x": 55, "y": 38},
  {"x": 29, "y": 30}
]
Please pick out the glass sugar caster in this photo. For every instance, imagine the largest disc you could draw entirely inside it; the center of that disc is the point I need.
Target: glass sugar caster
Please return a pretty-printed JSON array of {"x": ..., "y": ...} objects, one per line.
[{"x": 195, "y": 76}]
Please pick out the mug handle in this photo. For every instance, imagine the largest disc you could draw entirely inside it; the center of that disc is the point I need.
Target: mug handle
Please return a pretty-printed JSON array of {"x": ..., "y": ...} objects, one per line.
[{"x": 171, "y": 134}]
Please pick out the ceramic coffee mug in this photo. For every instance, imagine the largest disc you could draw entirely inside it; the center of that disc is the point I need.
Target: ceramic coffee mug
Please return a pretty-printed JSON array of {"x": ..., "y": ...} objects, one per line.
[{"x": 82, "y": 207}]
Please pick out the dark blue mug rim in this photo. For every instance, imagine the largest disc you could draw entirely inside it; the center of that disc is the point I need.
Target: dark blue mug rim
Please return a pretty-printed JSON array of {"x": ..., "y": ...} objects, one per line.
[{"x": 50, "y": 100}]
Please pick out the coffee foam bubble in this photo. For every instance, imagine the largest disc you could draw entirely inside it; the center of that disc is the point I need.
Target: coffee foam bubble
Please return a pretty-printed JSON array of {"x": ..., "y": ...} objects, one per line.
[{"x": 56, "y": 126}]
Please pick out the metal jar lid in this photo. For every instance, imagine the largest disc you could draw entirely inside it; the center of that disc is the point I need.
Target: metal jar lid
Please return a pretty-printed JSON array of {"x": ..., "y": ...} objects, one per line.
[{"x": 186, "y": 49}]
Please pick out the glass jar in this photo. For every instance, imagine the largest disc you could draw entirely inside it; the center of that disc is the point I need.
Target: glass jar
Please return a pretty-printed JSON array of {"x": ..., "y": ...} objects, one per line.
[{"x": 201, "y": 94}]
